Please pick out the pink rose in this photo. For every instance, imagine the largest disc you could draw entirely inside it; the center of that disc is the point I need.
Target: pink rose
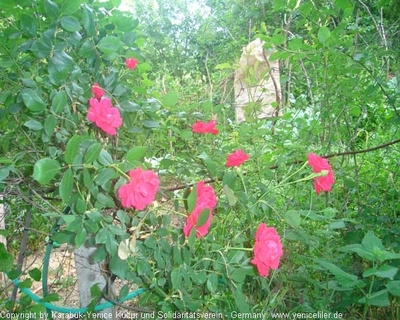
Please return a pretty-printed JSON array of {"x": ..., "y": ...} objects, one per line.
[
  {"x": 236, "y": 158},
  {"x": 141, "y": 190},
  {"x": 104, "y": 115},
  {"x": 131, "y": 63},
  {"x": 206, "y": 199},
  {"x": 205, "y": 127},
  {"x": 97, "y": 91},
  {"x": 267, "y": 250},
  {"x": 318, "y": 164}
]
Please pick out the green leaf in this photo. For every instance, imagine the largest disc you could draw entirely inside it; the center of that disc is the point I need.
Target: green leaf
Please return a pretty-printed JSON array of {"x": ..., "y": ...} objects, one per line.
[
  {"x": 119, "y": 267},
  {"x": 50, "y": 297},
  {"x": 170, "y": 99},
  {"x": 135, "y": 154},
  {"x": 337, "y": 225},
  {"x": 6, "y": 259},
  {"x": 372, "y": 242},
  {"x": 176, "y": 279},
  {"x": 109, "y": 44},
  {"x": 59, "y": 102},
  {"x": 203, "y": 217},
  {"x": 192, "y": 199},
  {"x": 4, "y": 173},
  {"x": 33, "y": 125},
  {"x": 129, "y": 106},
  {"x": 62, "y": 61},
  {"x": 100, "y": 254},
  {"x": 70, "y": 24},
  {"x": 224, "y": 65},
  {"x": 292, "y": 218},
  {"x": 343, "y": 278},
  {"x": 72, "y": 149},
  {"x": 123, "y": 292},
  {"x": 35, "y": 274},
  {"x": 87, "y": 179},
  {"x": 212, "y": 282},
  {"x": 80, "y": 237},
  {"x": 70, "y": 6},
  {"x": 51, "y": 9},
  {"x": 143, "y": 267},
  {"x": 41, "y": 49},
  {"x": 105, "y": 201},
  {"x": 87, "y": 49},
  {"x": 66, "y": 185},
  {"x": 241, "y": 302},
  {"x": 238, "y": 275},
  {"x": 279, "y": 5},
  {"x": 28, "y": 25},
  {"x": 230, "y": 195},
  {"x": 105, "y": 158},
  {"x": 105, "y": 175},
  {"x": 151, "y": 123},
  {"x": 323, "y": 34},
  {"x": 210, "y": 165},
  {"x": 64, "y": 237},
  {"x": 229, "y": 179},
  {"x": 360, "y": 250},
  {"x": 88, "y": 21},
  {"x": 378, "y": 299},
  {"x": 32, "y": 101},
  {"x": 92, "y": 153},
  {"x": 101, "y": 236},
  {"x": 394, "y": 287},
  {"x": 45, "y": 169},
  {"x": 49, "y": 125},
  {"x": 384, "y": 271},
  {"x": 150, "y": 242}
]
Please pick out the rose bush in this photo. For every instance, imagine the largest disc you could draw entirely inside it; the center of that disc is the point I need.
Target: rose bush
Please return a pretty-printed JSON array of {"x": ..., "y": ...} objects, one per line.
[{"x": 190, "y": 251}]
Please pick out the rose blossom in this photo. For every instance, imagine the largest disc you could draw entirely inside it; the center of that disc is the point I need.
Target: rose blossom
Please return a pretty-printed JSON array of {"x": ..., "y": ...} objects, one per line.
[
  {"x": 104, "y": 115},
  {"x": 205, "y": 127},
  {"x": 205, "y": 199},
  {"x": 318, "y": 164},
  {"x": 141, "y": 190},
  {"x": 236, "y": 158},
  {"x": 267, "y": 250},
  {"x": 131, "y": 63},
  {"x": 97, "y": 91}
]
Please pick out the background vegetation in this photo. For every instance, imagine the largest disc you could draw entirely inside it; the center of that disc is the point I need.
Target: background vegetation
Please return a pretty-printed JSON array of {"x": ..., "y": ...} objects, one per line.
[{"x": 340, "y": 71}]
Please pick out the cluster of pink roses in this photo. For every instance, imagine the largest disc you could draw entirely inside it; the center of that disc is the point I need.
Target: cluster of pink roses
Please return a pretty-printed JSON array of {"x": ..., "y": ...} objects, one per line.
[
  {"x": 143, "y": 186},
  {"x": 268, "y": 247}
]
